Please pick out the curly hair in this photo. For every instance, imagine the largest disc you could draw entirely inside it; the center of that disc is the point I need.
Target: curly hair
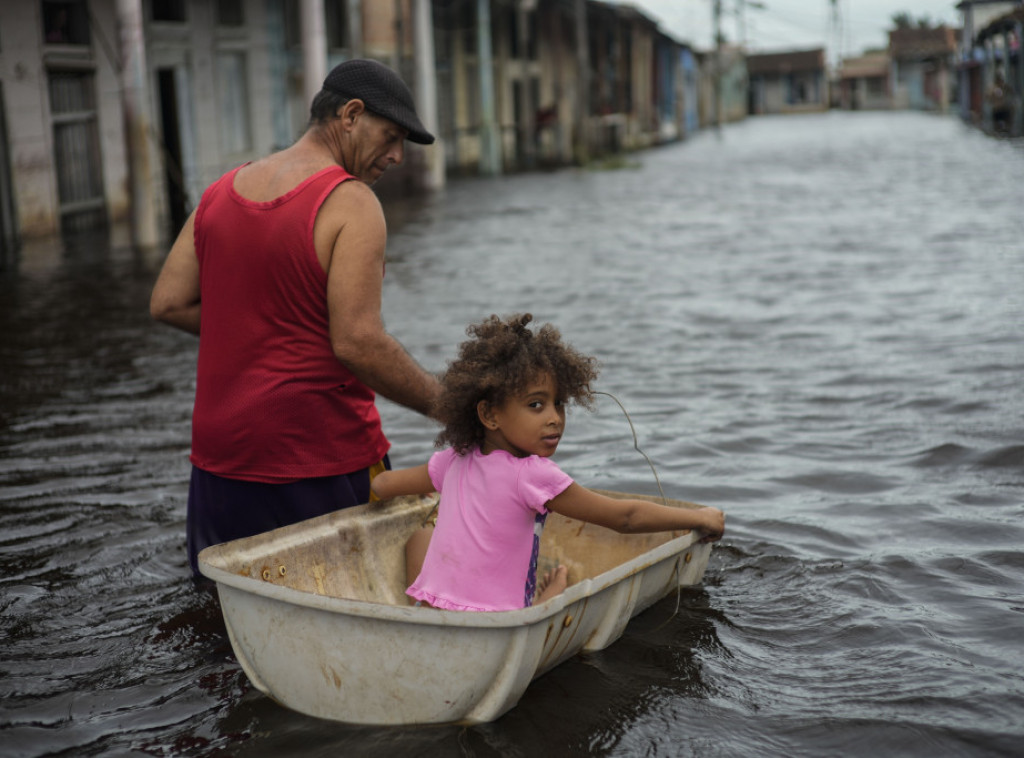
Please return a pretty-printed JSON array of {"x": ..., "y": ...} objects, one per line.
[{"x": 500, "y": 362}]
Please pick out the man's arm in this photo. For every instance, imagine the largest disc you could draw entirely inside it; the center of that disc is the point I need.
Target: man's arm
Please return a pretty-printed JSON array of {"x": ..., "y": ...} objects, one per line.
[
  {"x": 355, "y": 278},
  {"x": 175, "y": 298}
]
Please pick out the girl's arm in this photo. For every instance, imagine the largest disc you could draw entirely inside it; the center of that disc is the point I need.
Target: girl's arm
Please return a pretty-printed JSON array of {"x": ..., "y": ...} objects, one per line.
[
  {"x": 631, "y": 516},
  {"x": 403, "y": 481}
]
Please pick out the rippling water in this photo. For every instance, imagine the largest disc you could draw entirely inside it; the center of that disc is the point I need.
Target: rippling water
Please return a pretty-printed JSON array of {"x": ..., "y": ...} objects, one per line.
[{"x": 815, "y": 324}]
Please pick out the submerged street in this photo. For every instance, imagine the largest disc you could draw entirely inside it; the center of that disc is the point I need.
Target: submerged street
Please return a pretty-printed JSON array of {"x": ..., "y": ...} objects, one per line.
[{"x": 814, "y": 324}]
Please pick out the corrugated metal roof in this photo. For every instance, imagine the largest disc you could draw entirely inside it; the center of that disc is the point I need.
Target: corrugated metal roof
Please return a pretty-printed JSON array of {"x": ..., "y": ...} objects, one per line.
[
  {"x": 919, "y": 43},
  {"x": 866, "y": 66},
  {"x": 784, "y": 63}
]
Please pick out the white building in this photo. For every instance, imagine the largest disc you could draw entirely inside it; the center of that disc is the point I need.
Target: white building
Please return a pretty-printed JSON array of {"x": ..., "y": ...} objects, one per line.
[{"x": 118, "y": 113}]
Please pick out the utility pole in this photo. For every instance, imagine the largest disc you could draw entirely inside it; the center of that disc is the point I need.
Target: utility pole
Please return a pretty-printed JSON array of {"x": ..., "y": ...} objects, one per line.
[
  {"x": 719, "y": 110},
  {"x": 837, "y": 31},
  {"x": 741, "y": 17}
]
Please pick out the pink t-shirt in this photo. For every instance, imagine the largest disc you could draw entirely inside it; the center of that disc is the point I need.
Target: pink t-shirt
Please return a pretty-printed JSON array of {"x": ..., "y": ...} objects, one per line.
[{"x": 483, "y": 553}]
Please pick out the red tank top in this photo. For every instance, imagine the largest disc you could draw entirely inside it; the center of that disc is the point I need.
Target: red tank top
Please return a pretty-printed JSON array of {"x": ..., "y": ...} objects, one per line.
[{"x": 273, "y": 404}]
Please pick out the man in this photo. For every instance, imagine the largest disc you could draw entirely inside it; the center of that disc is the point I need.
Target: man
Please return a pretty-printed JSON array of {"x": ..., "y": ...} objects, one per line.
[{"x": 279, "y": 271}]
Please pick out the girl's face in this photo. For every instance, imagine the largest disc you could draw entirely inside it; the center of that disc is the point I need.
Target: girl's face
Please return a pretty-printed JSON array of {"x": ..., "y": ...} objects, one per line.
[{"x": 528, "y": 423}]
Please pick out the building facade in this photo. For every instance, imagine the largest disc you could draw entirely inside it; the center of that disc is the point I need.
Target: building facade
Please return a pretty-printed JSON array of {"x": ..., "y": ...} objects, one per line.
[
  {"x": 990, "y": 68},
  {"x": 863, "y": 82},
  {"x": 118, "y": 113},
  {"x": 788, "y": 82},
  {"x": 922, "y": 64}
]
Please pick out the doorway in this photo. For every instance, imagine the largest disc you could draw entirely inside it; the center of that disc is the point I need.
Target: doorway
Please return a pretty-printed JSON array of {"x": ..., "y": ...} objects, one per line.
[
  {"x": 8, "y": 221},
  {"x": 174, "y": 176}
]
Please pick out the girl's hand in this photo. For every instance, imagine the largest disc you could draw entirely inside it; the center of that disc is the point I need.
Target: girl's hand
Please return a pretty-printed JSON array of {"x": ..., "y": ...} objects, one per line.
[{"x": 714, "y": 524}]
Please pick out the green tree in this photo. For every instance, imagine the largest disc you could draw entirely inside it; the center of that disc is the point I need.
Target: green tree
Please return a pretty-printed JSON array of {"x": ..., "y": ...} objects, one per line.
[{"x": 902, "y": 20}]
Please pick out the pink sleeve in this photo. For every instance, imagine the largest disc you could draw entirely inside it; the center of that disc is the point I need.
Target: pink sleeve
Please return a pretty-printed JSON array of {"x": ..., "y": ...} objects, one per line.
[
  {"x": 540, "y": 480},
  {"x": 438, "y": 466}
]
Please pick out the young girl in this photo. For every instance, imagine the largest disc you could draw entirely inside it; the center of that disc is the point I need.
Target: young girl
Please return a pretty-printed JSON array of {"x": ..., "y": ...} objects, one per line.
[{"x": 503, "y": 409}]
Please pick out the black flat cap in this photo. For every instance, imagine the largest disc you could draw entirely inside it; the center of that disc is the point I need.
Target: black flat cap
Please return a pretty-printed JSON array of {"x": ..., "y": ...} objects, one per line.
[{"x": 382, "y": 91}]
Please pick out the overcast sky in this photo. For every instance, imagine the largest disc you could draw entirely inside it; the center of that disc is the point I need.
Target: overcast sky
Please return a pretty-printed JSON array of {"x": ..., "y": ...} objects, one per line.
[{"x": 794, "y": 24}]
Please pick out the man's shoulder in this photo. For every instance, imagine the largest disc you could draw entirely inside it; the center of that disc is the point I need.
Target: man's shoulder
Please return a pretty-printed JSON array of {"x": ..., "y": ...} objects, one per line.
[{"x": 352, "y": 196}]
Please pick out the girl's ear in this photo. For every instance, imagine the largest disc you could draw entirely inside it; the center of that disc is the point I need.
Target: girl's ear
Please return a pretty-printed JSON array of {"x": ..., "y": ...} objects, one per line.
[{"x": 486, "y": 415}]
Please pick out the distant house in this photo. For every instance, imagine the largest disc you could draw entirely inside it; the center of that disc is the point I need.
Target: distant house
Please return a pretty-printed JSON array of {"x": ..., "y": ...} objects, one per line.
[
  {"x": 722, "y": 86},
  {"x": 788, "y": 82},
  {"x": 991, "y": 66},
  {"x": 549, "y": 82},
  {"x": 691, "y": 90},
  {"x": 624, "y": 76},
  {"x": 922, "y": 67},
  {"x": 863, "y": 82},
  {"x": 668, "y": 87}
]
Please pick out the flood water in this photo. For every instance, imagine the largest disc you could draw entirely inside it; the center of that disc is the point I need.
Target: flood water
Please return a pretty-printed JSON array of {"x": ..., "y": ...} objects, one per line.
[{"x": 814, "y": 322}]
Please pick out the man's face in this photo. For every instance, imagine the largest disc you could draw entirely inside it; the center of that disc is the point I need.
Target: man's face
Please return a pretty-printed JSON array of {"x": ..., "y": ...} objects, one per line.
[{"x": 378, "y": 143}]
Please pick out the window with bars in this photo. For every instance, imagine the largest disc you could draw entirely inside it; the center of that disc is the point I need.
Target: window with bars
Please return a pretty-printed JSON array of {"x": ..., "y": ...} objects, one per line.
[
  {"x": 76, "y": 150},
  {"x": 233, "y": 92}
]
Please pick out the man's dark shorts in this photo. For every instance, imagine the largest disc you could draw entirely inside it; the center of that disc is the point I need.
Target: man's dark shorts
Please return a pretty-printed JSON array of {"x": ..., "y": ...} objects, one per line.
[{"x": 221, "y": 509}]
